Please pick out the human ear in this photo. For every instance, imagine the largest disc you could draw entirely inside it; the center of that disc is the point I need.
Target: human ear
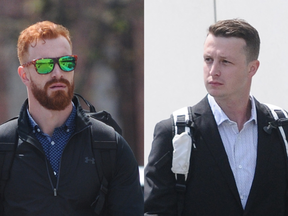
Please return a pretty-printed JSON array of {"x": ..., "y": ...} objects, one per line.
[
  {"x": 253, "y": 67},
  {"x": 23, "y": 74}
]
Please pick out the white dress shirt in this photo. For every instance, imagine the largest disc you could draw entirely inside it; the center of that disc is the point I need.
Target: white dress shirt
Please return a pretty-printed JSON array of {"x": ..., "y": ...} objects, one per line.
[{"x": 240, "y": 146}]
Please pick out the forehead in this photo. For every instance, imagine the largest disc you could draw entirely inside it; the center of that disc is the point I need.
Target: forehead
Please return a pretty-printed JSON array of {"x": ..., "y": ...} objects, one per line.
[
  {"x": 227, "y": 46},
  {"x": 49, "y": 48}
]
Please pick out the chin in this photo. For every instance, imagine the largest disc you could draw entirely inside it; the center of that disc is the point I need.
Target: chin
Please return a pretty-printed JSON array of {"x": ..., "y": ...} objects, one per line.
[{"x": 215, "y": 94}]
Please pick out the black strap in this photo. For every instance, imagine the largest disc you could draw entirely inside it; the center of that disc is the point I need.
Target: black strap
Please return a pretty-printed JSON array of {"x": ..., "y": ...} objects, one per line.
[
  {"x": 102, "y": 116},
  {"x": 180, "y": 186},
  {"x": 280, "y": 114},
  {"x": 8, "y": 144},
  {"x": 283, "y": 122},
  {"x": 181, "y": 124},
  {"x": 90, "y": 106},
  {"x": 180, "y": 180},
  {"x": 105, "y": 156},
  {"x": 181, "y": 189}
]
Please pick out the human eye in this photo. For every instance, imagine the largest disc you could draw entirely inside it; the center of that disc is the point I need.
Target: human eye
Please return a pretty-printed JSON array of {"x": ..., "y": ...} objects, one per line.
[
  {"x": 208, "y": 59},
  {"x": 225, "y": 61}
]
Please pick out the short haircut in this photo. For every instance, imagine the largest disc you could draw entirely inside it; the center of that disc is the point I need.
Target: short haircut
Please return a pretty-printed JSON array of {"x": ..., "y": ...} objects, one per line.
[
  {"x": 240, "y": 29},
  {"x": 39, "y": 31}
]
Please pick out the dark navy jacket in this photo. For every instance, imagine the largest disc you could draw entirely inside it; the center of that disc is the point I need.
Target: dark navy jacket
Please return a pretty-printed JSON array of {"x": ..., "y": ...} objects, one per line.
[{"x": 33, "y": 190}]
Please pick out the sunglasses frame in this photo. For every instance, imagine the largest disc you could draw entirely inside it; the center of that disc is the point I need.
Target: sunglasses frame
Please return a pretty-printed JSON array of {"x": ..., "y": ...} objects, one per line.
[{"x": 55, "y": 60}]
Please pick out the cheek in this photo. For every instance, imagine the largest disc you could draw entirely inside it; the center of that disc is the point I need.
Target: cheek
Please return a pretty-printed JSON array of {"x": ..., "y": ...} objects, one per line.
[
  {"x": 206, "y": 74},
  {"x": 234, "y": 81},
  {"x": 70, "y": 77},
  {"x": 205, "y": 70}
]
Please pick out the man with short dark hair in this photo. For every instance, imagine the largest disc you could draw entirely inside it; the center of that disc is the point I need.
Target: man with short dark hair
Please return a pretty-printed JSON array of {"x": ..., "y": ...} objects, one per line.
[{"x": 236, "y": 168}]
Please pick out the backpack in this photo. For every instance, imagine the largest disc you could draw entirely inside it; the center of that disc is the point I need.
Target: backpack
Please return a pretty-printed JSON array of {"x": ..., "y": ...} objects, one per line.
[
  {"x": 104, "y": 151},
  {"x": 183, "y": 143}
]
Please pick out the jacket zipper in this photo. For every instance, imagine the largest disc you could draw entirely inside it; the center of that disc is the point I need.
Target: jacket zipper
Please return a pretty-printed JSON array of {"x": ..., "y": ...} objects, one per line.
[
  {"x": 46, "y": 162},
  {"x": 51, "y": 183},
  {"x": 58, "y": 176}
]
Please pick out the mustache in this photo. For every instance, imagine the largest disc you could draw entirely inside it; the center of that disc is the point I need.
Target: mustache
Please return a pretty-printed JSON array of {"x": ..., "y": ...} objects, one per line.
[{"x": 61, "y": 80}]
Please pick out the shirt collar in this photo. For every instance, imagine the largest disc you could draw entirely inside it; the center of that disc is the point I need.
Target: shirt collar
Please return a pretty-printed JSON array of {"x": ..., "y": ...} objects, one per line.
[
  {"x": 69, "y": 122},
  {"x": 220, "y": 116}
]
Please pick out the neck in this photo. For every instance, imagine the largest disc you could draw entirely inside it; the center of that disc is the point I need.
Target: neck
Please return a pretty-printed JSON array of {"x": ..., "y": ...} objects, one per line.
[
  {"x": 48, "y": 120},
  {"x": 238, "y": 111}
]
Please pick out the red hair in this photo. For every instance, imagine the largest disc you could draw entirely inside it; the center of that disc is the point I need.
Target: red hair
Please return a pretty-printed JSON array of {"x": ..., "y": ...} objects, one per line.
[{"x": 39, "y": 31}]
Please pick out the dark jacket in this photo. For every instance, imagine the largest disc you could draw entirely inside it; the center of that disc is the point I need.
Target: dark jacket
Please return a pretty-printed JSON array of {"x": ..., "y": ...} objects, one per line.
[
  {"x": 211, "y": 188},
  {"x": 33, "y": 189}
]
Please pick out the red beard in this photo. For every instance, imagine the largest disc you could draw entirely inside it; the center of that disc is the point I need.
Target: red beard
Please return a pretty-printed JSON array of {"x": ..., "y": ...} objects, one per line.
[{"x": 58, "y": 100}]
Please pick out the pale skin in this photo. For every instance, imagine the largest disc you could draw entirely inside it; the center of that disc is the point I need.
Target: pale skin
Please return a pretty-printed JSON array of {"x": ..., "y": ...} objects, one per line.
[
  {"x": 228, "y": 76},
  {"x": 47, "y": 119}
]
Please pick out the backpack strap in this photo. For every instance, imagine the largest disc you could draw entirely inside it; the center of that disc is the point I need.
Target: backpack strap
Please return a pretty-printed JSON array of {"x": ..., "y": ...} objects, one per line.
[
  {"x": 182, "y": 145},
  {"x": 100, "y": 115},
  {"x": 8, "y": 144},
  {"x": 281, "y": 119},
  {"x": 104, "y": 146},
  {"x": 182, "y": 142}
]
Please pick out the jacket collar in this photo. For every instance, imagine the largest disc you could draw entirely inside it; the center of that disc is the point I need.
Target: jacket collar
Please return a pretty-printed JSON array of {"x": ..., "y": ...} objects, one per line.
[
  {"x": 220, "y": 116},
  {"x": 24, "y": 128}
]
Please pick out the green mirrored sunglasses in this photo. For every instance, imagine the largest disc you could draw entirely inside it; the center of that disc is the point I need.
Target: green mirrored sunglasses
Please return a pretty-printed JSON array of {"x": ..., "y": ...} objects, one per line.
[{"x": 46, "y": 65}]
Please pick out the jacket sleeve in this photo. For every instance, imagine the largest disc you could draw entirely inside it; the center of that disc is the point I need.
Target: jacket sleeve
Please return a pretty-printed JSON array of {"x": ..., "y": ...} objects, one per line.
[
  {"x": 125, "y": 197},
  {"x": 160, "y": 196}
]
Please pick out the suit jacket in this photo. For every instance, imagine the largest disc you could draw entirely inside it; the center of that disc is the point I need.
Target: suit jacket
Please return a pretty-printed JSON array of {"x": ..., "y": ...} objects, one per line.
[{"x": 211, "y": 188}]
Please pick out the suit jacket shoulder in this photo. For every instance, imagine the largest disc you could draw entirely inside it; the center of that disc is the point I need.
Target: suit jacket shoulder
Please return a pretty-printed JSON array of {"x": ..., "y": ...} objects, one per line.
[{"x": 210, "y": 178}]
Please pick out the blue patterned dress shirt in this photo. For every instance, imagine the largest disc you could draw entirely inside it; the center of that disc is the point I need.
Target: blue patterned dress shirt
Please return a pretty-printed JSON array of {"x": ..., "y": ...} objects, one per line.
[{"x": 54, "y": 145}]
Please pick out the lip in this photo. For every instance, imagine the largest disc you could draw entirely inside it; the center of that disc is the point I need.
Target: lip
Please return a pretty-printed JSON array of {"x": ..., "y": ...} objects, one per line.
[
  {"x": 58, "y": 86},
  {"x": 215, "y": 83}
]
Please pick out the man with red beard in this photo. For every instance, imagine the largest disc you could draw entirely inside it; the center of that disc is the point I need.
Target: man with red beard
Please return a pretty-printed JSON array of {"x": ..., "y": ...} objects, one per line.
[{"x": 53, "y": 171}]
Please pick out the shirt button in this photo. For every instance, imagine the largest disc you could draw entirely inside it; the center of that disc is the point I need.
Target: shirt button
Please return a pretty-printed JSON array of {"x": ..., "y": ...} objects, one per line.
[
  {"x": 52, "y": 143},
  {"x": 38, "y": 130},
  {"x": 67, "y": 130},
  {"x": 240, "y": 166}
]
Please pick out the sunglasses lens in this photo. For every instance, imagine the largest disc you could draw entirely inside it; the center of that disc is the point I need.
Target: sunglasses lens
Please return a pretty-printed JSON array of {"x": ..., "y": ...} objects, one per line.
[
  {"x": 44, "y": 66},
  {"x": 67, "y": 63}
]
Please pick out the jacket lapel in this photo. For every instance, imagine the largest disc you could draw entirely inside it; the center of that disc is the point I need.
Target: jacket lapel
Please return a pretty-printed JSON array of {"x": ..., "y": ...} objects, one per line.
[
  {"x": 205, "y": 123},
  {"x": 264, "y": 149}
]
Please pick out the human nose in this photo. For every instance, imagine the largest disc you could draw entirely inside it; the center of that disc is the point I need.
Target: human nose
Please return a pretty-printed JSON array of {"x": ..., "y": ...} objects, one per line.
[
  {"x": 214, "y": 69},
  {"x": 57, "y": 72}
]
